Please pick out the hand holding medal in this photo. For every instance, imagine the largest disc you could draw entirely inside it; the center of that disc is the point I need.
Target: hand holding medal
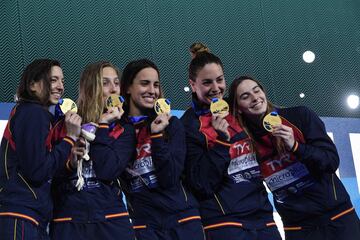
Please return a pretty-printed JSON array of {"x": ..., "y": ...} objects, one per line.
[
  {"x": 220, "y": 109},
  {"x": 114, "y": 108},
  {"x": 162, "y": 109},
  {"x": 67, "y": 107},
  {"x": 64, "y": 105},
  {"x": 272, "y": 123}
]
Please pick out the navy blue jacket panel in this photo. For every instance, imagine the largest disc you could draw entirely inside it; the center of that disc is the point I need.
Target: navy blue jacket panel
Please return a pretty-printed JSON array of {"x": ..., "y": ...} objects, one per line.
[
  {"x": 28, "y": 163},
  {"x": 101, "y": 196}
]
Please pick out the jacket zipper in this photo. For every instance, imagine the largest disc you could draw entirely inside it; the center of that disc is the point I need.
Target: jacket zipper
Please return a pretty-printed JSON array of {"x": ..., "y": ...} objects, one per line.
[
  {"x": 28, "y": 185},
  {"x": 217, "y": 200},
  {"x": 334, "y": 189},
  {"x": 6, "y": 153},
  {"x": 182, "y": 187}
]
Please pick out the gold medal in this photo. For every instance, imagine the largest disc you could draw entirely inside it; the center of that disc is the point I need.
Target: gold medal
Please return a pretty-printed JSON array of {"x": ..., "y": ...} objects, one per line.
[
  {"x": 270, "y": 120},
  {"x": 66, "y": 104},
  {"x": 114, "y": 100},
  {"x": 162, "y": 105},
  {"x": 219, "y": 107}
]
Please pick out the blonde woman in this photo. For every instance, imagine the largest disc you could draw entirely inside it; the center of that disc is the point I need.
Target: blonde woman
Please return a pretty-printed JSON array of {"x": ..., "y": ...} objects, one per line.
[{"x": 95, "y": 210}]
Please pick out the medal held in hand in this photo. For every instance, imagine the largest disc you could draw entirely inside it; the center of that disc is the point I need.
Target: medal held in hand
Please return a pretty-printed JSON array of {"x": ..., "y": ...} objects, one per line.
[
  {"x": 219, "y": 107},
  {"x": 162, "y": 105},
  {"x": 270, "y": 120},
  {"x": 66, "y": 104},
  {"x": 114, "y": 100}
]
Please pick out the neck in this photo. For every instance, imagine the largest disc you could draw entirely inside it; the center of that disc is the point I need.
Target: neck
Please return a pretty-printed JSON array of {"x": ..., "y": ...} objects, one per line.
[
  {"x": 256, "y": 120},
  {"x": 135, "y": 111}
]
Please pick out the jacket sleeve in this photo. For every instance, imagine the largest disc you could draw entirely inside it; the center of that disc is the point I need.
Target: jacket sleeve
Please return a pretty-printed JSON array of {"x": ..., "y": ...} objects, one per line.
[
  {"x": 204, "y": 168},
  {"x": 111, "y": 155},
  {"x": 36, "y": 163},
  {"x": 319, "y": 151},
  {"x": 168, "y": 153}
]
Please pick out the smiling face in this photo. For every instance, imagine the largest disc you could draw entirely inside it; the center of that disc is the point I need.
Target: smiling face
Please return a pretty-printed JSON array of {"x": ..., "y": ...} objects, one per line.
[
  {"x": 111, "y": 82},
  {"x": 209, "y": 83},
  {"x": 251, "y": 99},
  {"x": 144, "y": 91},
  {"x": 56, "y": 84}
]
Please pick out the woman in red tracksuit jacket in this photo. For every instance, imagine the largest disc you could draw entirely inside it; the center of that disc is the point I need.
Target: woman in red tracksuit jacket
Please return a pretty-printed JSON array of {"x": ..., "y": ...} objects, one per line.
[{"x": 298, "y": 161}]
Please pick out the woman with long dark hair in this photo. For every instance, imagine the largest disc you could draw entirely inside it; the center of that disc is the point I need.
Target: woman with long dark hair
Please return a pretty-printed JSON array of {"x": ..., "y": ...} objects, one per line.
[
  {"x": 159, "y": 205},
  {"x": 298, "y": 161},
  {"x": 29, "y": 160}
]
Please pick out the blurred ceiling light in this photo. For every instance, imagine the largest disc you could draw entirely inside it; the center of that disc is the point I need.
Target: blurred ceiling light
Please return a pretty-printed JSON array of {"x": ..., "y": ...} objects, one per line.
[
  {"x": 308, "y": 56},
  {"x": 353, "y": 101}
]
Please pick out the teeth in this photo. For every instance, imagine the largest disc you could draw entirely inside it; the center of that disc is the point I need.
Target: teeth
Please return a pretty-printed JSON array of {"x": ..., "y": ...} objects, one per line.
[{"x": 257, "y": 104}]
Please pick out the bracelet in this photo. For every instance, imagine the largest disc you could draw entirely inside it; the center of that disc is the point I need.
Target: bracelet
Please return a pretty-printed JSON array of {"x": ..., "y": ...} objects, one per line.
[
  {"x": 294, "y": 147},
  {"x": 156, "y": 135}
]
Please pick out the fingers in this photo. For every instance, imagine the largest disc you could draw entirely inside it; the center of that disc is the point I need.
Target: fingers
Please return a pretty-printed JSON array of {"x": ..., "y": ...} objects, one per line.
[
  {"x": 121, "y": 112},
  {"x": 282, "y": 130},
  {"x": 160, "y": 123},
  {"x": 224, "y": 124},
  {"x": 115, "y": 112},
  {"x": 78, "y": 151},
  {"x": 73, "y": 118},
  {"x": 73, "y": 125},
  {"x": 162, "y": 118},
  {"x": 220, "y": 124},
  {"x": 80, "y": 142},
  {"x": 112, "y": 114},
  {"x": 285, "y": 133}
]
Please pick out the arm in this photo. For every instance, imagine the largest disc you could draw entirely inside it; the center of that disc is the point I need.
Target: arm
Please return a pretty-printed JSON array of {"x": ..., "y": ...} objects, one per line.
[
  {"x": 36, "y": 163},
  {"x": 204, "y": 168},
  {"x": 168, "y": 153},
  {"x": 111, "y": 155},
  {"x": 319, "y": 151}
]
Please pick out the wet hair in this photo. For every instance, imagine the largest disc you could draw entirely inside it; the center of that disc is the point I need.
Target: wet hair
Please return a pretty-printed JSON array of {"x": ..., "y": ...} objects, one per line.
[
  {"x": 200, "y": 61},
  {"x": 129, "y": 74},
  {"x": 38, "y": 70},
  {"x": 198, "y": 47},
  {"x": 90, "y": 102},
  {"x": 280, "y": 146}
]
